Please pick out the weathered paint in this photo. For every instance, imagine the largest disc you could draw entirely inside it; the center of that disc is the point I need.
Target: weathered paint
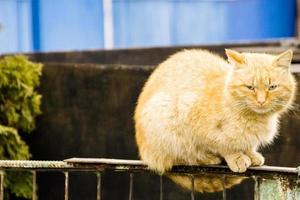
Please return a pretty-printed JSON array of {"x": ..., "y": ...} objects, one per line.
[{"x": 277, "y": 189}]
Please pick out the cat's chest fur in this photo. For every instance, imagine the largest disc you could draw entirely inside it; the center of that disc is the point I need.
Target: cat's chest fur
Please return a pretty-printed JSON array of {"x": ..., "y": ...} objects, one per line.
[
  {"x": 224, "y": 125},
  {"x": 247, "y": 132}
]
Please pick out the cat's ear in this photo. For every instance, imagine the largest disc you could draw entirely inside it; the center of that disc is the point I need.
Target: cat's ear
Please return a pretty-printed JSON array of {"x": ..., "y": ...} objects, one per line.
[
  {"x": 284, "y": 59},
  {"x": 235, "y": 57}
]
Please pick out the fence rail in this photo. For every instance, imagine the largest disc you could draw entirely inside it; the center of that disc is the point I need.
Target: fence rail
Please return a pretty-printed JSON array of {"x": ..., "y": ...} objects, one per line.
[{"x": 283, "y": 182}]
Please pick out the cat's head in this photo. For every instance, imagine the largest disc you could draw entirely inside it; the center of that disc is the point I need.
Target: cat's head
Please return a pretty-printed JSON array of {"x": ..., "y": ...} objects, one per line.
[{"x": 261, "y": 83}]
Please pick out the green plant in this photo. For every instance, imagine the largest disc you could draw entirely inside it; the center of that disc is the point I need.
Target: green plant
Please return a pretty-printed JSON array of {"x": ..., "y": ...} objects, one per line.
[{"x": 19, "y": 105}]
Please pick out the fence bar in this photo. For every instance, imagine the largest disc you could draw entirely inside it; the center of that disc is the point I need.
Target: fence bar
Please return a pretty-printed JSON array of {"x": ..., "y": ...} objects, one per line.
[
  {"x": 256, "y": 187},
  {"x": 34, "y": 197},
  {"x": 98, "y": 186},
  {"x": 192, "y": 187},
  {"x": 66, "y": 185},
  {"x": 130, "y": 186},
  {"x": 99, "y": 164},
  {"x": 161, "y": 194},
  {"x": 270, "y": 180},
  {"x": 2, "y": 185},
  {"x": 224, "y": 188}
]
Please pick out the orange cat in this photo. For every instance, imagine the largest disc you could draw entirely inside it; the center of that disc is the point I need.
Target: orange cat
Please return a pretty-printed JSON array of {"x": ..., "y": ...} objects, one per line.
[{"x": 196, "y": 108}]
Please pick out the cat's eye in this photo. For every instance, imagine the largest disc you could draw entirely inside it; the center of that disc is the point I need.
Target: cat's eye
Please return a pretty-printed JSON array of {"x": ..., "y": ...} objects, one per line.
[
  {"x": 273, "y": 87},
  {"x": 250, "y": 87}
]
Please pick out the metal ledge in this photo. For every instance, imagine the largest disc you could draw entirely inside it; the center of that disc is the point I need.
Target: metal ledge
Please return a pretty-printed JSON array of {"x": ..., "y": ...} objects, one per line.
[{"x": 102, "y": 164}]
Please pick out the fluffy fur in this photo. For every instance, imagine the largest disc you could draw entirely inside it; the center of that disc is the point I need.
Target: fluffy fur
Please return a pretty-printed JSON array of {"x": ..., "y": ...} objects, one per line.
[{"x": 197, "y": 108}]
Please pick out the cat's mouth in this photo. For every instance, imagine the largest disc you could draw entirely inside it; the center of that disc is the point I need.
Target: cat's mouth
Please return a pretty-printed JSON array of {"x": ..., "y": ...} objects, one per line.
[{"x": 261, "y": 110}]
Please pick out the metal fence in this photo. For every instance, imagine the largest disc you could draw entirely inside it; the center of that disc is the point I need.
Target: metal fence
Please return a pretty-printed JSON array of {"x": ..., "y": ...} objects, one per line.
[{"x": 270, "y": 182}]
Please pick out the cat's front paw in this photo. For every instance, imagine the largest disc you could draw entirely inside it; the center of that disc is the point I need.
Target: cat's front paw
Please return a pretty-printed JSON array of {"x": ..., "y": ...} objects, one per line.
[
  {"x": 256, "y": 158},
  {"x": 214, "y": 161},
  {"x": 210, "y": 159},
  {"x": 238, "y": 162}
]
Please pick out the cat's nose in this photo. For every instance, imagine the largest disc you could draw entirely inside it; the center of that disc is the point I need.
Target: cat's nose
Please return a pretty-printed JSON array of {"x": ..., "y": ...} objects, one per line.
[
  {"x": 261, "y": 101},
  {"x": 261, "y": 97}
]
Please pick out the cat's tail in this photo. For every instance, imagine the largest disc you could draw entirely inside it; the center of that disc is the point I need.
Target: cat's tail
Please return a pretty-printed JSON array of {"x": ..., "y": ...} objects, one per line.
[{"x": 207, "y": 182}]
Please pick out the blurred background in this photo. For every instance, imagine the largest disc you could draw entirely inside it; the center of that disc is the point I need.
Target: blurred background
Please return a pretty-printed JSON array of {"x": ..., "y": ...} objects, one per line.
[
  {"x": 59, "y": 25},
  {"x": 89, "y": 96}
]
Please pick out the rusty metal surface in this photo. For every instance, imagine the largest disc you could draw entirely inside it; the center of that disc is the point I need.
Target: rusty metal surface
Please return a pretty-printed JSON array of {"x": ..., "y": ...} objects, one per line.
[
  {"x": 103, "y": 161},
  {"x": 101, "y": 164},
  {"x": 282, "y": 182},
  {"x": 271, "y": 182},
  {"x": 32, "y": 164},
  {"x": 120, "y": 163}
]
